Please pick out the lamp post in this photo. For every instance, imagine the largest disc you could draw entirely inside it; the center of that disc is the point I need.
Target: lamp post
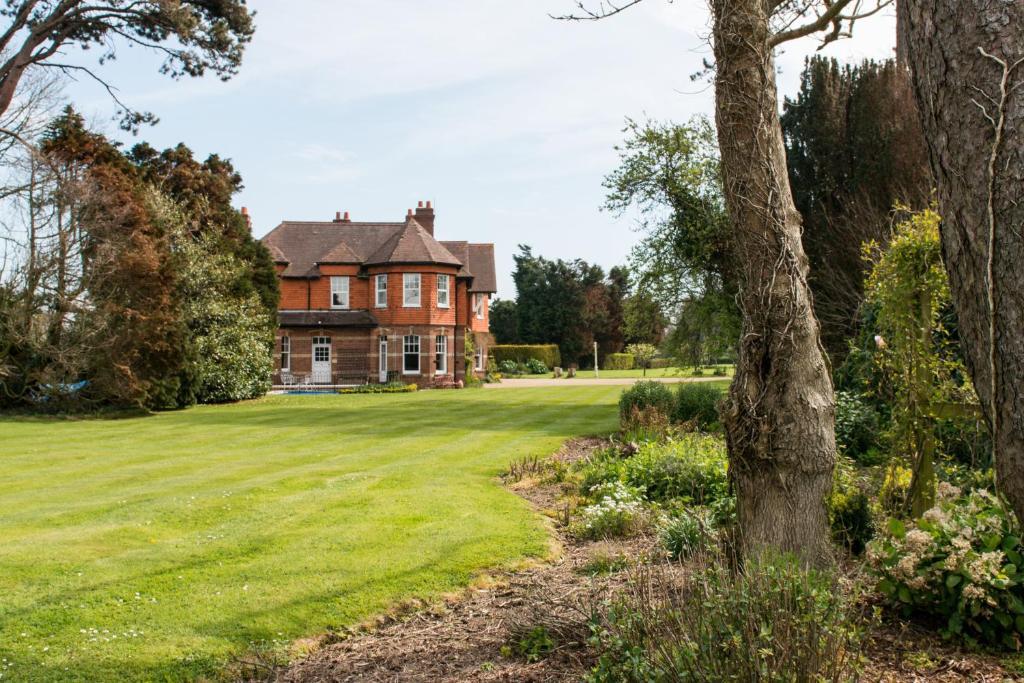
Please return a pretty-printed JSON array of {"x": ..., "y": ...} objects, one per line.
[{"x": 597, "y": 370}]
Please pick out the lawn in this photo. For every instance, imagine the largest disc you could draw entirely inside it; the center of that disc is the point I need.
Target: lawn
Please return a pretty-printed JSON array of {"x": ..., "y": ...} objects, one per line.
[{"x": 159, "y": 547}]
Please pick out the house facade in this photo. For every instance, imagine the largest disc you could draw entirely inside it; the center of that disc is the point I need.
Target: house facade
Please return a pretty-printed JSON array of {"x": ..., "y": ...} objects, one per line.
[{"x": 365, "y": 302}]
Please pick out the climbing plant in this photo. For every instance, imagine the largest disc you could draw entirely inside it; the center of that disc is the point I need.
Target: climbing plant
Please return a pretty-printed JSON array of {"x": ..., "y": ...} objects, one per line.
[{"x": 916, "y": 353}]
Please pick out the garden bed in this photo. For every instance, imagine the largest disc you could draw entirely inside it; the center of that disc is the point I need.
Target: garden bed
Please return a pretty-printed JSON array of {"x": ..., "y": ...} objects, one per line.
[{"x": 484, "y": 634}]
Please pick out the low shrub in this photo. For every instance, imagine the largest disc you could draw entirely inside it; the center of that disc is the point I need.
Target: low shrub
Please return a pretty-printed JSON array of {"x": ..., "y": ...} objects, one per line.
[
  {"x": 849, "y": 508},
  {"x": 379, "y": 389},
  {"x": 647, "y": 424},
  {"x": 617, "y": 512},
  {"x": 697, "y": 403},
  {"x": 508, "y": 367},
  {"x": 769, "y": 621},
  {"x": 604, "y": 559},
  {"x": 961, "y": 562},
  {"x": 644, "y": 395},
  {"x": 661, "y": 363},
  {"x": 858, "y": 425},
  {"x": 691, "y": 469},
  {"x": 536, "y": 367},
  {"x": 690, "y": 531},
  {"x": 521, "y": 353},
  {"x": 535, "y": 644},
  {"x": 719, "y": 371},
  {"x": 618, "y": 361}
]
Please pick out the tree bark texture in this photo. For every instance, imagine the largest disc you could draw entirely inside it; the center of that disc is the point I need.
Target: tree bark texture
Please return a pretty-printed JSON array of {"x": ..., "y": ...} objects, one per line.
[
  {"x": 780, "y": 419},
  {"x": 967, "y": 59}
]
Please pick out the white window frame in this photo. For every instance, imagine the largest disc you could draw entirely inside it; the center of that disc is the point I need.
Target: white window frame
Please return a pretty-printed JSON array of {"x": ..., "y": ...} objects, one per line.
[
  {"x": 446, "y": 290},
  {"x": 441, "y": 354},
  {"x": 478, "y": 305},
  {"x": 339, "y": 290},
  {"x": 286, "y": 353},
  {"x": 478, "y": 359},
  {"x": 407, "y": 350},
  {"x": 407, "y": 280},
  {"x": 381, "y": 287}
]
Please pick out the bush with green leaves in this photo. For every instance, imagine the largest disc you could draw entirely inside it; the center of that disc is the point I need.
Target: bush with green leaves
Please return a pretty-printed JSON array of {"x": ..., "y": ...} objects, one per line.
[
  {"x": 535, "y": 366},
  {"x": 697, "y": 403},
  {"x": 962, "y": 562},
  {"x": 618, "y": 361},
  {"x": 644, "y": 395},
  {"x": 534, "y": 645},
  {"x": 858, "y": 425},
  {"x": 692, "y": 469},
  {"x": 508, "y": 367},
  {"x": 617, "y": 511},
  {"x": 768, "y": 621}
]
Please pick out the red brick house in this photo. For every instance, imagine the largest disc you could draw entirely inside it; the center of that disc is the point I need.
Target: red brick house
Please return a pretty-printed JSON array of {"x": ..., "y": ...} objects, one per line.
[{"x": 371, "y": 302}]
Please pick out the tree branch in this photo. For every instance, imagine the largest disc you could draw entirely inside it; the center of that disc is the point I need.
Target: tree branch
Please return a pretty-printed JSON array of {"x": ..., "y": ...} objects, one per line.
[{"x": 605, "y": 10}]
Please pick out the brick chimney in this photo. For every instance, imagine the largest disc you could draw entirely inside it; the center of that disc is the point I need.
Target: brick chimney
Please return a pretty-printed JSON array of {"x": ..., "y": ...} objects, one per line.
[
  {"x": 338, "y": 218},
  {"x": 425, "y": 216},
  {"x": 247, "y": 217}
]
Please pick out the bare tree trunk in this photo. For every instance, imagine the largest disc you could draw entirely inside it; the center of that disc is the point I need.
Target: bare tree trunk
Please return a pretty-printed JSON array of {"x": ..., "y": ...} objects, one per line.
[
  {"x": 780, "y": 420},
  {"x": 967, "y": 59}
]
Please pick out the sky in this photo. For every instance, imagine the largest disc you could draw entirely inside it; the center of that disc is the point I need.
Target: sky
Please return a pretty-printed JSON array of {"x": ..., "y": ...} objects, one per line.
[{"x": 506, "y": 119}]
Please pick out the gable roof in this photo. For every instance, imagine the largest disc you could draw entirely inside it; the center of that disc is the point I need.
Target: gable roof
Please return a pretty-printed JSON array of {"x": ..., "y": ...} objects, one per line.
[{"x": 301, "y": 246}]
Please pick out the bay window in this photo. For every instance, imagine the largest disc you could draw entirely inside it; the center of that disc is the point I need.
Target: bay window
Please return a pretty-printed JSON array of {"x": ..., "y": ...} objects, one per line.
[
  {"x": 442, "y": 291},
  {"x": 411, "y": 290},
  {"x": 411, "y": 355},
  {"x": 441, "y": 354}
]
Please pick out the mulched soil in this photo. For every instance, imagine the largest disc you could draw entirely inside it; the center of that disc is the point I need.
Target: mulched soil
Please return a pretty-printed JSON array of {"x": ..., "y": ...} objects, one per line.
[{"x": 468, "y": 637}]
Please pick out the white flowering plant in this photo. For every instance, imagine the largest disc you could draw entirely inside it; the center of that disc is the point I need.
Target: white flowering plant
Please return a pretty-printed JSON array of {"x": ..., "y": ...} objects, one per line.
[
  {"x": 961, "y": 561},
  {"x": 617, "y": 511}
]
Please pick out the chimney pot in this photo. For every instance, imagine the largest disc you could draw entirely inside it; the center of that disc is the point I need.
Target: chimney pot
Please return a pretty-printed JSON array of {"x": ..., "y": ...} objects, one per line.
[
  {"x": 428, "y": 204},
  {"x": 337, "y": 216},
  {"x": 409, "y": 215},
  {"x": 347, "y": 219},
  {"x": 420, "y": 204}
]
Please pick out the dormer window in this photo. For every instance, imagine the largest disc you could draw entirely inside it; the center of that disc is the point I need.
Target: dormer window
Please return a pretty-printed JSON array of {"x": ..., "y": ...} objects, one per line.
[
  {"x": 442, "y": 291},
  {"x": 339, "y": 291},
  {"x": 381, "y": 283},
  {"x": 411, "y": 290}
]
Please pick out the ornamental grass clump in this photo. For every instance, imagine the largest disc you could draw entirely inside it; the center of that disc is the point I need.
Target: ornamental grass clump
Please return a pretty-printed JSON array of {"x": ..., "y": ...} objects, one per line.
[
  {"x": 961, "y": 562},
  {"x": 767, "y": 621}
]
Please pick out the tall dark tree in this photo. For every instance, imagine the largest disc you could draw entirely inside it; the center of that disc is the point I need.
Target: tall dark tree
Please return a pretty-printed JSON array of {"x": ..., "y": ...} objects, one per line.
[
  {"x": 967, "y": 60},
  {"x": 854, "y": 149},
  {"x": 504, "y": 321},
  {"x": 204, "y": 190},
  {"x": 193, "y": 36},
  {"x": 127, "y": 272}
]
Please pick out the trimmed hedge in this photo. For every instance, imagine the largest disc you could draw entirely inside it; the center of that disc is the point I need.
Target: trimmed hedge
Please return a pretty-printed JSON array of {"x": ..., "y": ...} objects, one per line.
[
  {"x": 660, "y": 363},
  {"x": 548, "y": 354},
  {"x": 619, "y": 361}
]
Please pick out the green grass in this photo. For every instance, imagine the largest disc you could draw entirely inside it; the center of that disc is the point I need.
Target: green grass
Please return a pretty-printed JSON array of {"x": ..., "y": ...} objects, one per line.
[{"x": 159, "y": 547}]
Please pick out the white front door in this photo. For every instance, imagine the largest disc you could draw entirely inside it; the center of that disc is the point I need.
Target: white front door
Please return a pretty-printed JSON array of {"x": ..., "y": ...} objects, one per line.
[
  {"x": 321, "y": 360},
  {"x": 383, "y": 362}
]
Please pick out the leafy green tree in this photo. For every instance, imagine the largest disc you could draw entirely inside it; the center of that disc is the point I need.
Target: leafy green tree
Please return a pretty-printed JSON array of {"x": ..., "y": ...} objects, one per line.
[
  {"x": 229, "y": 339},
  {"x": 642, "y": 354},
  {"x": 670, "y": 174}
]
